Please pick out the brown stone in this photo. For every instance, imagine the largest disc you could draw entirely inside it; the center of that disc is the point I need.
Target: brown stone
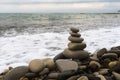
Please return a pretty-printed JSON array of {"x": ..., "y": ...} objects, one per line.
[
  {"x": 115, "y": 51},
  {"x": 94, "y": 65},
  {"x": 75, "y": 30},
  {"x": 76, "y": 46},
  {"x": 79, "y": 54},
  {"x": 16, "y": 73},
  {"x": 101, "y": 52},
  {"x": 110, "y": 56},
  {"x": 36, "y": 65},
  {"x": 64, "y": 65},
  {"x": 44, "y": 71},
  {"x": 49, "y": 63},
  {"x": 75, "y": 34},
  {"x": 75, "y": 39}
]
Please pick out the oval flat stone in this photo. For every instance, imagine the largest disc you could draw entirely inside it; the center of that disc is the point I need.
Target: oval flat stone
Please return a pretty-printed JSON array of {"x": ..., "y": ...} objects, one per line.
[
  {"x": 30, "y": 75},
  {"x": 79, "y": 54},
  {"x": 66, "y": 65},
  {"x": 36, "y": 65},
  {"x": 110, "y": 55},
  {"x": 53, "y": 75},
  {"x": 115, "y": 51},
  {"x": 75, "y": 34},
  {"x": 75, "y": 30},
  {"x": 16, "y": 73},
  {"x": 76, "y": 46},
  {"x": 75, "y": 39}
]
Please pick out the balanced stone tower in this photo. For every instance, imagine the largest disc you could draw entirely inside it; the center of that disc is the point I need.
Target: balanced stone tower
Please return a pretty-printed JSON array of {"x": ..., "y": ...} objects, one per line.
[{"x": 76, "y": 46}]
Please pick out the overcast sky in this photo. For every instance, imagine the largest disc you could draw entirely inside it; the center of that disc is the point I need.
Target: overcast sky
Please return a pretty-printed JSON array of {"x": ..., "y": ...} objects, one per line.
[{"x": 83, "y": 6}]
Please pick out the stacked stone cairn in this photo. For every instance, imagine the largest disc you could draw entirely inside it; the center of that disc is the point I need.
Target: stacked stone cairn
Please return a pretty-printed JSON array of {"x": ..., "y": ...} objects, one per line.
[{"x": 74, "y": 63}]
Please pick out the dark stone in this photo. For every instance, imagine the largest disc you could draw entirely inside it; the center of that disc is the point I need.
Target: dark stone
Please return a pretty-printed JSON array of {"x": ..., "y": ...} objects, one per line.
[
  {"x": 108, "y": 78},
  {"x": 75, "y": 30},
  {"x": 79, "y": 54},
  {"x": 30, "y": 75},
  {"x": 16, "y": 73},
  {"x": 66, "y": 74},
  {"x": 101, "y": 52},
  {"x": 75, "y": 39},
  {"x": 110, "y": 56},
  {"x": 105, "y": 62},
  {"x": 76, "y": 46},
  {"x": 59, "y": 56},
  {"x": 75, "y": 34},
  {"x": 114, "y": 48},
  {"x": 115, "y": 51}
]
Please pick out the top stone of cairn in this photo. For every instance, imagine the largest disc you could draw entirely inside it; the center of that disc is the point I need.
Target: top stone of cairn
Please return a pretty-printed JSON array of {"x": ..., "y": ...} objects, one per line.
[{"x": 75, "y": 30}]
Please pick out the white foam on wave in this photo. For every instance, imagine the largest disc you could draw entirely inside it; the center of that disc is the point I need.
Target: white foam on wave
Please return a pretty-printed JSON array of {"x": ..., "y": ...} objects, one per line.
[{"x": 19, "y": 50}]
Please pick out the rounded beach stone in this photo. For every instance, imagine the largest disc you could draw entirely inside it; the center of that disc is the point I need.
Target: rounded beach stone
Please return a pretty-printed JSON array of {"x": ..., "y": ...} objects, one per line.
[
  {"x": 59, "y": 56},
  {"x": 16, "y": 73},
  {"x": 110, "y": 56},
  {"x": 36, "y": 65},
  {"x": 76, "y": 46},
  {"x": 75, "y": 39},
  {"x": 101, "y": 52},
  {"x": 101, "y": 77},
  {"x": 112, "y": 64},
  {"x": 49, "y": 63},
  {"x": 115, "y": 51},
  {"x": 75, "y": 30},
  {"x": 79, "y": 54},
  {"x": 65, "y": 65},
  {"x": 83, "y": 78},
  {"x": 94, "y": 65},
  {"x": 53, "y": 75},
  {"x": 92, "y": 77},
  {"x": 75, "y": 34},
  {"x": 30, "y": 75},
  {"x": 103, "y": 71}
]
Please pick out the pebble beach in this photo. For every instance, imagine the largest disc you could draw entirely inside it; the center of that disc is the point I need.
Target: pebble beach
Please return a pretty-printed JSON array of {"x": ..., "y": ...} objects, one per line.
[{"x": 18, "y": 47}]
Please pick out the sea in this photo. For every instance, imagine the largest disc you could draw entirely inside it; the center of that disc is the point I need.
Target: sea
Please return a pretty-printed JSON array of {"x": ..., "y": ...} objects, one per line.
[{"x": 24, "y": 36}]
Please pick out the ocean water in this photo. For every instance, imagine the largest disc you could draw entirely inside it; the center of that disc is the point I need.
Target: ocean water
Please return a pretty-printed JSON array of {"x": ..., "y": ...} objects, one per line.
[{"x": 24, "y": 37}]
